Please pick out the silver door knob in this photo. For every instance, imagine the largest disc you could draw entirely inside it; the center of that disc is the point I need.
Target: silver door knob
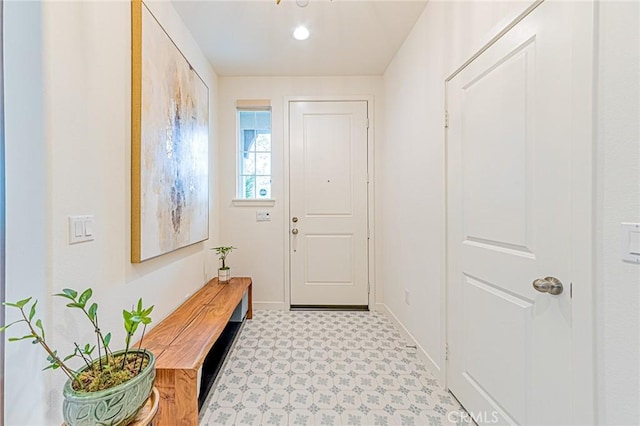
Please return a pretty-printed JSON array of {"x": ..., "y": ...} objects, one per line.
[
  {"x": 294, "y": 231},
  {"x": 549, "y": 285}
]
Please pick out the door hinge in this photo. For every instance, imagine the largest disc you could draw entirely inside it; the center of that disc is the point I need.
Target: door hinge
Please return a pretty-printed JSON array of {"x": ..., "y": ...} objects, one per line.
[
  {"x": 368, "y": 233},
  {"x": 446, "y": 119},
  {"x": 446, "y": 352},
  {"x": 570, "y": 290},
  {"x": 367, "y": 122}
]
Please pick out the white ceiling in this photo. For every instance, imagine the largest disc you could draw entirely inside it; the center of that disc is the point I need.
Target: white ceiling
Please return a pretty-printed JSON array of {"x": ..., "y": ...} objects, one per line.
[{"x": 254, "y": 38}]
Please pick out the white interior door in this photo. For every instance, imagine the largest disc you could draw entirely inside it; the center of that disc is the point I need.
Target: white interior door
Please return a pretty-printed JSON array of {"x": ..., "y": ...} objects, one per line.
[
  {"x": 509, "y": 223},
  {"x": 328, "y": 203}
]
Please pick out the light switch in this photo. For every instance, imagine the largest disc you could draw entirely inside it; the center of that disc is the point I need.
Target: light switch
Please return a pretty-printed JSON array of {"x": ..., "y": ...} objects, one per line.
[
  {"x": 88, "y": 226},
  {"x": 77, "y": 229},
  {"x": 634, "y": 242},
  {"x": 630, "y": 242}
]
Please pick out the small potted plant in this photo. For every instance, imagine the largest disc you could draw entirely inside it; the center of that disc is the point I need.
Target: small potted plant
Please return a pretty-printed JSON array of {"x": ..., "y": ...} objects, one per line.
[
  {"x": 110, "y": 387},
  {"x": 224, "y": 272}
]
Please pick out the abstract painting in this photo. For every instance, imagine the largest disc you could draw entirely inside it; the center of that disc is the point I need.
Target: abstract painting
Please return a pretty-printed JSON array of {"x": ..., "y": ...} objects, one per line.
[{"x": 170, "y": 143}]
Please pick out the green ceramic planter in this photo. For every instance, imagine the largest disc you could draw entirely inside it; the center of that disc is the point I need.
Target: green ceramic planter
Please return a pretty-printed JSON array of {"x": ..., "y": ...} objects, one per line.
[{"x": 116, "y": 406}]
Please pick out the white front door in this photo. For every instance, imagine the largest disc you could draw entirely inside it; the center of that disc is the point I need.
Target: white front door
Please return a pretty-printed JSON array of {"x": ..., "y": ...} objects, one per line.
[
  {"x": 328, "y": 203},
  {"x": 509, "y": 142}
]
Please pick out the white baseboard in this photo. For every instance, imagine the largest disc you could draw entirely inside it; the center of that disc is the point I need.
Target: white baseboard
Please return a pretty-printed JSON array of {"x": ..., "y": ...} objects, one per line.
[
  {"x": 269, "y": 306},
  {"x": 422, "y": 353}
]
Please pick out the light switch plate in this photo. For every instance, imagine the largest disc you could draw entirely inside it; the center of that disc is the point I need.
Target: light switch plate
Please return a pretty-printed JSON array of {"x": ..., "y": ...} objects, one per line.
[
  {"x": 263, "y": 216},
  {"x": 630, "y": 242},
  {"x": 81, "y": 229}
]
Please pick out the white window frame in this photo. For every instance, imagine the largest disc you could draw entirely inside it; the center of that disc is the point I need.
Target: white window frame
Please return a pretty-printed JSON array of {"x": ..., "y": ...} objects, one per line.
[{"x": 241, "y": 200}]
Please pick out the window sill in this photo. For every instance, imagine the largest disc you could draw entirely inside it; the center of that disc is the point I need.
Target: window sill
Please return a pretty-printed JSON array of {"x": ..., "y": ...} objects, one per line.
[{"x": 242, "y": 202}]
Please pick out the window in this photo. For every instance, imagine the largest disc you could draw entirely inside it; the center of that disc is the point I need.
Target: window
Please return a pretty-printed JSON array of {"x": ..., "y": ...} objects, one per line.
[{"x": 254, "y": 153}]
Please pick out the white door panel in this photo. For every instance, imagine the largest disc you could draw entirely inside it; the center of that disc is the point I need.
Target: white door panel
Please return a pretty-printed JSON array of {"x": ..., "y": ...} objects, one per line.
[
  {"x": 327, "y": 165},
  {"x": 509, "y": 209},
  {"x": 329, "y": 259},
  {"x": 495, "y": 205},
  {"x": 328, "y": 196}
]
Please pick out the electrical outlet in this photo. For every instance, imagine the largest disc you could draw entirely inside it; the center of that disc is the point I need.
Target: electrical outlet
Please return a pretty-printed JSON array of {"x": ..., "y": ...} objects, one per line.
[{"x": 407, "y": 298}]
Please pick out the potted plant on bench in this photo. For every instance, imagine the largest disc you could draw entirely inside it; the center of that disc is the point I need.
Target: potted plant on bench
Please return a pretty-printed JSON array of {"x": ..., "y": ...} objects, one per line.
[
  {"x": 110, "y": 387},
  {"x": 224, "y": 272}
]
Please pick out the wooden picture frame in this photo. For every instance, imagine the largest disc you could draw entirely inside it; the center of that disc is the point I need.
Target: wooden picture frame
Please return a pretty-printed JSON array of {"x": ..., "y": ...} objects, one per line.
[{"x": 169, "y": 143}]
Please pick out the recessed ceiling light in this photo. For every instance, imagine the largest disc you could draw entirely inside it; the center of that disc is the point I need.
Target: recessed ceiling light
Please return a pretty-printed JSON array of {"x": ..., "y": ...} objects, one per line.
[
  {"x": 302, "y": 3},
  {"x": 301, "y": 33}
]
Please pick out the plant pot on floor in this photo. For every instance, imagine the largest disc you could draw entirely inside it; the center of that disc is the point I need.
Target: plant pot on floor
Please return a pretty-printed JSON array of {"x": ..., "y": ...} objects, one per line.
[
  {"x": 224, "y": 275},
  {"x": 110, "y": 407}
]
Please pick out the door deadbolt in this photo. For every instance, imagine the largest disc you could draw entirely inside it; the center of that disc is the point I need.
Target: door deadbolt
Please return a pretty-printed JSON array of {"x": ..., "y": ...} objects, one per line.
[{"x": 294, "y": 220}]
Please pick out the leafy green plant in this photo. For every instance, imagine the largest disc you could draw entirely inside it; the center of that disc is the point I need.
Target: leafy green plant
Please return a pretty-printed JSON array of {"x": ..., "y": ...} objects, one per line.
[
  {"x": 102, "y": 372},
  {"x": 223, "y": 252}
]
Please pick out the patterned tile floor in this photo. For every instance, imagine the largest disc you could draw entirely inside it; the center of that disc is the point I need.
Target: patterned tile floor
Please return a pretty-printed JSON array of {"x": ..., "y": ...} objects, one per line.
[{"x": 325, "y": 368}]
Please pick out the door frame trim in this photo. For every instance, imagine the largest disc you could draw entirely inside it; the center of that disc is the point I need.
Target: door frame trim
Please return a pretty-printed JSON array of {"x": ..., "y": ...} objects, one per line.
[
  {"x": 583, "y": 149},
  {"x": 369, "y": 99}
]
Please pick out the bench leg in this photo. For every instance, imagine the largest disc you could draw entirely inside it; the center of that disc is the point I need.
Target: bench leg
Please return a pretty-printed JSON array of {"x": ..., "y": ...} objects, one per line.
[
  {"x": 178, "y": 397},
  {"x": 250, "y": 308}
]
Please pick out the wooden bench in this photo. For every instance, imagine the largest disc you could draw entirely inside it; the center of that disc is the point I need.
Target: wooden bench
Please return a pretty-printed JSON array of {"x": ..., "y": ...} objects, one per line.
[{"x": 182, "y": 341}]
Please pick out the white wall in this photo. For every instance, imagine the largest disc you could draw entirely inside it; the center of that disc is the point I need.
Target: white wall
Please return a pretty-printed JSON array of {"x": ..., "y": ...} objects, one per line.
[
  {"x": 27, "y": 208},
  {"x": 410, "y": 163},
  {"x": 412, "y": 195},
  {"x": 618, "y": 200},
  {"x": 71, "y": 155},
  {"x": 261, "y": 245}
]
